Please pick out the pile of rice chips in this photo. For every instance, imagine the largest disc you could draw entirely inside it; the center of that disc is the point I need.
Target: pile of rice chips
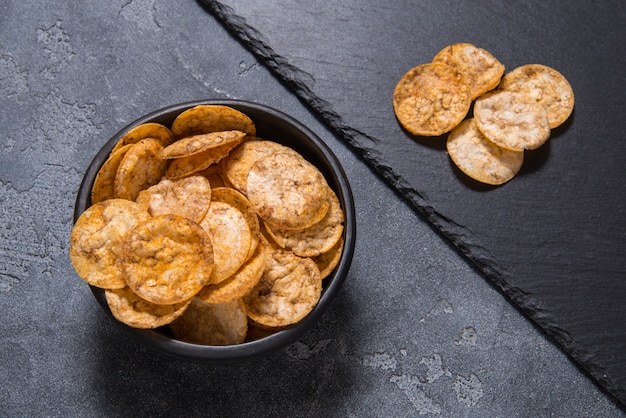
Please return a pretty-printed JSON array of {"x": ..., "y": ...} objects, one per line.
[
  {"x": 512, "y": 113},
  {"x": 204, "y": 227}
]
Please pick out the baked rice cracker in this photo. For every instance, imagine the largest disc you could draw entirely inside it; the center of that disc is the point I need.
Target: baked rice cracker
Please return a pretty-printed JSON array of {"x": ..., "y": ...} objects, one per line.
[
  {"x": 326, "y": 262},
  {"x": 431, "y": 99},
  {"x": 287, "y": 191},
  {"x": 203, "y": 119},
  {"x": 189, "y": 197},
  {"x": 316, "y": 239},
  {"x": 186, "y": 166},
  {"x": 212, "y": 324},
  {"x": 143, "y": 131},
  {"x": 167, "y": 259},
  {"x": 96, "y": 241},
  {"x": 195, "y": 144},
  {"x": 482, "y": 70},
  {"x": 104, "y": 184},
  {"x": 136, "y": 312},
  {"x": 480, "y": 158},
  {"x": 140, "y": 168},
  {"x": 511, "y": 120},
  {"x": 544, "y": 85},
  {"x": 289, "y": 289}
]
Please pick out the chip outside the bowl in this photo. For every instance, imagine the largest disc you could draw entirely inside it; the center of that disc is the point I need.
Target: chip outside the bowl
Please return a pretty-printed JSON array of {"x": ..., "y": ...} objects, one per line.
[
  {"x": 167, "y": 259},
  {"x": 479, "y": 158}
]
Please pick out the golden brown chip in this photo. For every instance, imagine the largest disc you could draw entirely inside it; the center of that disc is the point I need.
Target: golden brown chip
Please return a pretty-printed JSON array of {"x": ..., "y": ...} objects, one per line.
[
  {"x": 241, "y": 202},
  {"x": 482, "y": 70},
  {"x": 226, "y": 222},
  {"x": 104, "y": 183},
  {"x": 512, "y": 121},
  {"x": 189, "y": 197},
  {"x": 327, "y": 261},
  {"x": 212, "y": 324},
  {"x": 96, "y": 241},
  {"x": 203, "y": 119},
  {"x": 431, "y": 99},
  {"x": 167, "y": 259},
  {"x": 129, "y": 308},
  {"x": 240, "y": 283},
  {"x": 544, "y": 85},
  {"x": 480, "y": 158},
  {"x": 316, "y": 239},
  {"x": 195, "y": 144},
  {"x": 239, "y": 162},
  {"x": 286, "y": 191},
  {"x": 143, "y": 131},
  {"x": 288, "y": 290},
  {"x": 186, "y": 166},
  {"x": 141, "y": 167}
]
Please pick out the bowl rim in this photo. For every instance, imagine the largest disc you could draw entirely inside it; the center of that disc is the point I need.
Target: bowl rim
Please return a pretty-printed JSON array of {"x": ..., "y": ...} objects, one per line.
[{"x": 248, "y": 350}]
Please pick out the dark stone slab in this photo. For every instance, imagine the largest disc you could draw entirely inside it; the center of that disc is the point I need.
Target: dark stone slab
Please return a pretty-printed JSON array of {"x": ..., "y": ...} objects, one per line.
[{"x": 554, "y": 238}]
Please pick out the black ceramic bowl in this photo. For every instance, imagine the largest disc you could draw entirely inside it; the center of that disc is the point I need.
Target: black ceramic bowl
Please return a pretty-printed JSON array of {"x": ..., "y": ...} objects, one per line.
[{"x": 279, "y": 127}]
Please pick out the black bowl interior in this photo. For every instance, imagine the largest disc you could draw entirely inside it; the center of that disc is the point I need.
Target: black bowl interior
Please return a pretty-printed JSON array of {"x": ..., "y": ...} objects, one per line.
[{"x": 279, "y": 127}]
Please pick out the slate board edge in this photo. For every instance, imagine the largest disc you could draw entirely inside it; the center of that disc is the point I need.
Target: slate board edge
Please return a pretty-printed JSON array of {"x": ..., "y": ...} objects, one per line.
[{"x": 454, "y": 234}]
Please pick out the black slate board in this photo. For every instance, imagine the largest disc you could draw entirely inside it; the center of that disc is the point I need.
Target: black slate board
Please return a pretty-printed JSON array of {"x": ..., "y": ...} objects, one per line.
[{"x": 554, "y": 238}]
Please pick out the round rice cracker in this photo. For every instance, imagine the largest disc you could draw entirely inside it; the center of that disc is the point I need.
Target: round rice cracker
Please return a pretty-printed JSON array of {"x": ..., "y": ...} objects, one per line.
[
  {"x": 240, "y": 283},
  {"x": 143, "y": 131},
  {"x": 186, "y": 166},
  {"x": 479, "y": 158},
  {"x": 227, "y": 223},
  {"x": 512, "y": 121},
  {"x": 194, "y": 144},
  {"x": 212, "y": 324},
  {"x": 288, "y": 192},
  {"x": 136, "y": 312},
  {"x": 239, "y": 162},
  {"x": 289, "y": 289},
  {"x": 141, "y": 167},
  {"x": 204, "y": 119},
  {"x": 316, "y": 239},
  {"x": 96, "y": 241},
  {"x": 189, "y": 197},
  {"x": 167, "y": 259},
  {"x": 544, "y": 85},
  {"x": 431, "y": 99},
  {"x": 104, "y": 184},
  {"x": 482, "y": 70},
  {"x": 327, "y": 261}
]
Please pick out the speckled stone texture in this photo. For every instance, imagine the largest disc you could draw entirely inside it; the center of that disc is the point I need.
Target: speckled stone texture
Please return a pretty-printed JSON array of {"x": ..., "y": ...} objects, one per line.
[{"x": 414, "y": 332}]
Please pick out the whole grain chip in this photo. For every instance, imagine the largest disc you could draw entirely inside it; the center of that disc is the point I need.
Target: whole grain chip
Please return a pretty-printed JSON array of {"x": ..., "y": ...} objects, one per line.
[
  {"x": 143, "y": 131},
  {"x": 480, "y": 158},
  {"x": 288, "y": 290},
  {"x": 136, "y": 312},
  {"x": 544, "y": 85},
  {"x": 203, "y": 119},
  {"x": 194, "y": 144},
  {"x": 141, "y": 167},
  {"x": 189, "y": 197},
  {"x": 482, "y": 70},
  {"x": 239, "y": 162},
  {"x": 511, "y": 120},
  {"x": 431, "y": 99},
  {"x": 286, "y": 191},
  {"x": 185, "y": 166},
  {"x": 96, "y": 241},
  {"x": 327, "y": 261},
  {"x": 212, "y": 324},
  {"x": 227, "y": 224},
  {"x": 167, "y": 259},
  {"x": 240, "y": 283},
  {"x": 316, "y": 239},
  {"x": 104, "y": 184}
]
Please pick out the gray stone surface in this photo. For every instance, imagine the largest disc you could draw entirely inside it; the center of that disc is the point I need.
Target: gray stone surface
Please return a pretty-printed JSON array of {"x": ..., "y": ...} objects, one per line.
[{"x": 415, "y": 331}]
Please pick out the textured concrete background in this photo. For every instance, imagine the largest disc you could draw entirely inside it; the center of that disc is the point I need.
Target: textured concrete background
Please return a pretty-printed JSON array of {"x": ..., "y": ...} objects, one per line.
[{"x": 415, "y": 331}]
